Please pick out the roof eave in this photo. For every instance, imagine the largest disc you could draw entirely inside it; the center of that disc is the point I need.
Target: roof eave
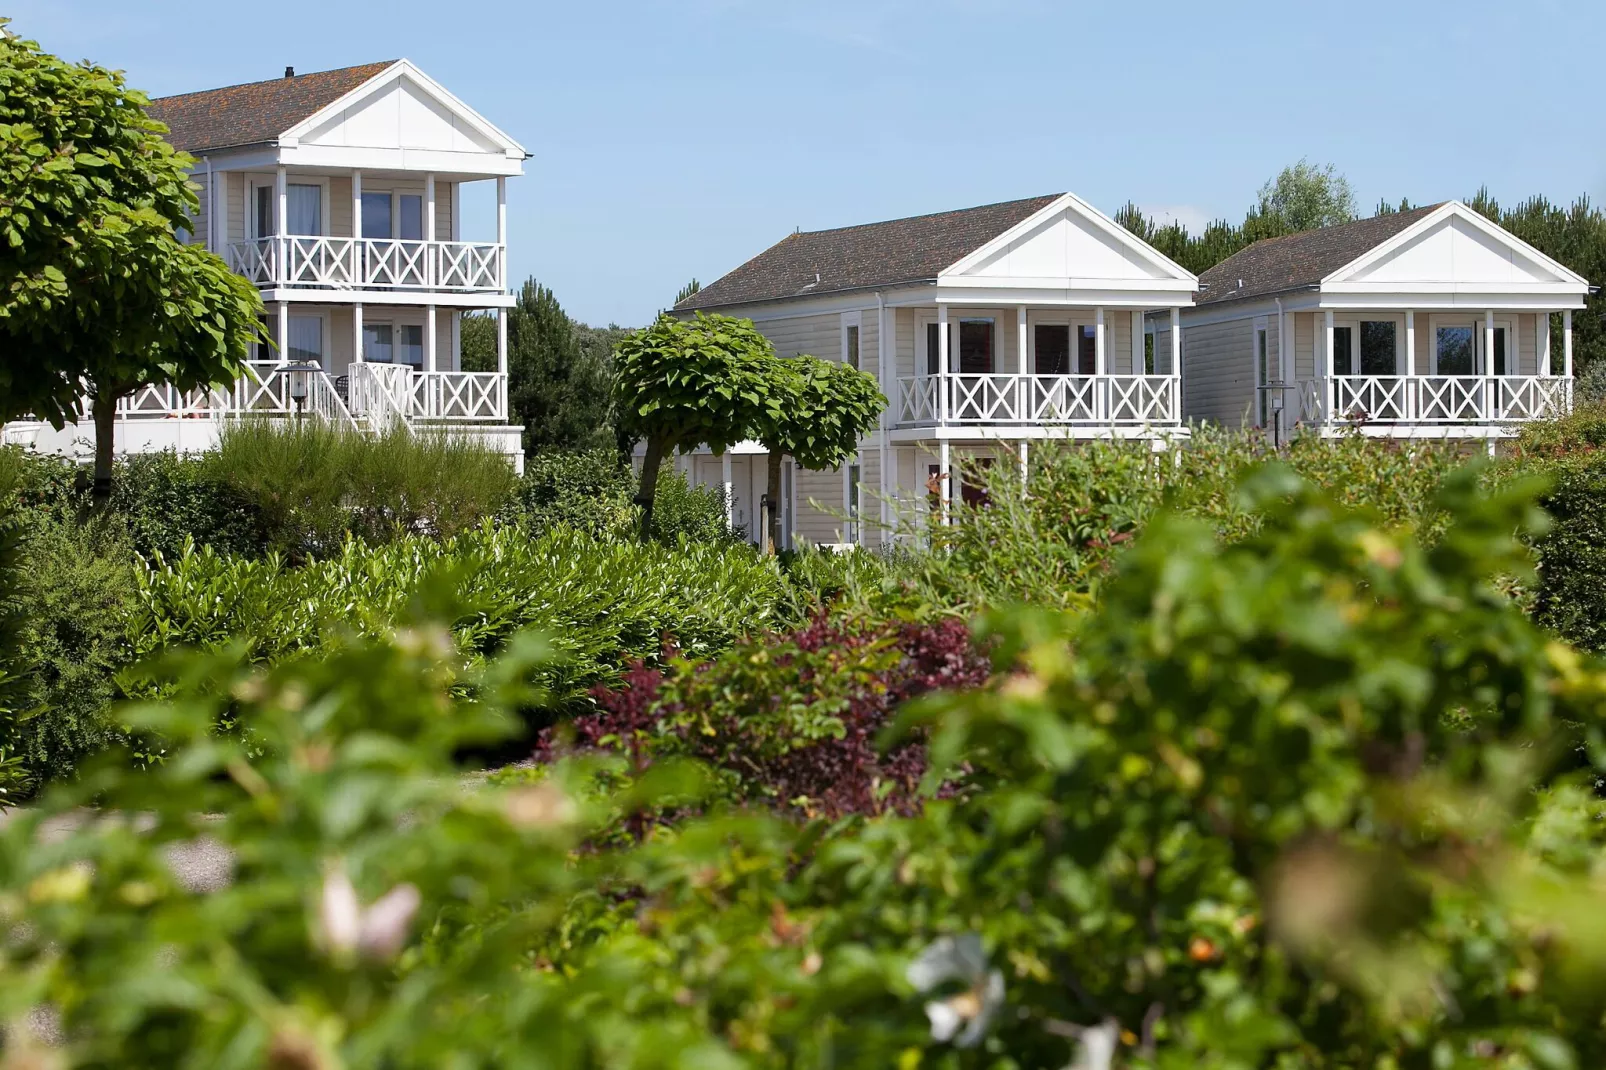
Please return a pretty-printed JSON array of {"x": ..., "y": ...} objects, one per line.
[{"x": 867, "y": 288}]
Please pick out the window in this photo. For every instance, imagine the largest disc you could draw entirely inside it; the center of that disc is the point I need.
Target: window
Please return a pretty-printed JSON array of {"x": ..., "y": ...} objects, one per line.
[
  {"x": 1366, "y": 347},
  {"x": 376, "y": 215},
  {"x": 377, "y": 340},
  {"x": 973, "y": 488},
  {"x": 411, "y": 343},
  {"x": 852, "y": 502},
  {"x": 1458, "y": 348},
  {"x": 306, "y": 339},
  {"x": 1087, "y": 350},
  {"x": 264, "y": 211},
  {"x": 934, "y": 347},
  {"x": 850, "y": 346},
  {"x": 1500, "y": 352},
  {"x": 304, "y": 209},
  {"x": 1053, "y": 344},
  {"x": 1261, "y": 372},
  {"x": 1148, "y": 353},
  {"x": 975, "y": 347},
  {"x": 411, "y": 207},
  {"x": 1343, "y": 346}
]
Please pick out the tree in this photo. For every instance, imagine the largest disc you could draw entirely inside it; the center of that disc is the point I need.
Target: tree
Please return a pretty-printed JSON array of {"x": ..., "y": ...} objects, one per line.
[
  {"x": 823, "y": 408},
  {"x": 1306, "y": 196},
  {"x": 687, "y": 290},
  {"x": 684, "y": 383},
  {"x": 477, "y": 342},
  {"x": 99, "y": 296}
]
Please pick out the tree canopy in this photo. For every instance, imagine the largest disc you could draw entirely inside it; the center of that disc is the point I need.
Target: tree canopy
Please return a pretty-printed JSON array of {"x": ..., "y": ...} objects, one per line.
[{"x": 97, "y": 294}]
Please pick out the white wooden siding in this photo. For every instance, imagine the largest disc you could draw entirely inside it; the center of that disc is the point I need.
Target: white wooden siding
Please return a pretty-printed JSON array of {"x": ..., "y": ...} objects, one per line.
[{"x": 1218, "y": 381}]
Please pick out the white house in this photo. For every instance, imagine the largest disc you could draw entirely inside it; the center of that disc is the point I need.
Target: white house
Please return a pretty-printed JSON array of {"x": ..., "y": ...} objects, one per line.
[
  {"x": 988, "y": 328},
  {"x": 1430, "y": 323},
  {"x": 338, "y": 194}
]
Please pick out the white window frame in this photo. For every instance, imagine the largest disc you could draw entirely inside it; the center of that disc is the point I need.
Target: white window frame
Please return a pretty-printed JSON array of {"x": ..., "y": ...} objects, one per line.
[
  {"x": 853, "y": 504},
  {"x": 853, "y": 321},
  {"x": 253, "y": 182},
  {"x": 399, "y": 316},
  {"x": 320, "y": 313},
  {"x": 397, "y": 192},
  {"x": 1260, "y": 337},
  {"x": 1354, "y": 324},
  {"x": 1476, "y": 322},
  {"x": 1075, "y": 319}
]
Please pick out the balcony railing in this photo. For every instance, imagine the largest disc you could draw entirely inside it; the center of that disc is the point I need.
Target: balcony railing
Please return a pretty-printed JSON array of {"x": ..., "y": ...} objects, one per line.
[
  {"x": 1077, "y": 400},
  {"x": 1434, "y": 399},
  {"x": 369, "y": 263}
]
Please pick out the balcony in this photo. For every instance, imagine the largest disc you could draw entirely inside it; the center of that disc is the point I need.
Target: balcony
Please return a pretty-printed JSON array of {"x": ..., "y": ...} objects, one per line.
[
  {"x": 370, "y": 263},
  {"x": 1443, "y": 400},
  {"x": 1090, "y": 401}
]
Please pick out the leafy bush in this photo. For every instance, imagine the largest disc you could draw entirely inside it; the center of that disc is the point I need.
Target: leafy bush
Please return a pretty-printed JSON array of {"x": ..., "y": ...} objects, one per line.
[
  {"x": 1310, "y": 799},
  {"x": 791, "y": 721},
  {"x": 605, "y": 603},
  {"x": 592, "y": 491},
  {"x": 313, "y": 483}
]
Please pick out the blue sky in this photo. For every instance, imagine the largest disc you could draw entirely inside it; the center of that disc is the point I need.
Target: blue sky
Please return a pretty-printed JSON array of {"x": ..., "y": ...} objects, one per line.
[{"x": 673, "y": 140}]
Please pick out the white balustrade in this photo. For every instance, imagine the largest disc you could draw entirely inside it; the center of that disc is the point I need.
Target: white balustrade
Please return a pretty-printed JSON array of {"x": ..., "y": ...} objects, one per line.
[
  {"x": 458, "y": 396},
  {"x": 1434, "y": 399},
  {"x": 351, "y": 263},
  {"x": 1093, "y": 400},
  {"x": 381, "y": 392}
]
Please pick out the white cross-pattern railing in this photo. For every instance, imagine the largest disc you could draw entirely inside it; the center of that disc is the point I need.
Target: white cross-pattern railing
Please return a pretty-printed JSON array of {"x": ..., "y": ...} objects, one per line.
[
  {"x": 1090, "y": 400},
  {"x": 381, "y": 392},
  {"x": 267, "y": 388},
  {"x": 458, "y": 396},
  {"x": 1434, "y": 399},
  {"x": 379, "y": 263}
]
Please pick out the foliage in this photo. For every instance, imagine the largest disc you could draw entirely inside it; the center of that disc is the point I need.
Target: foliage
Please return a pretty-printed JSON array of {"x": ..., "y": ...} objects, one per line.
[
  {"x": 1306, "y": 196},
  {"x": 604, "y": 602},
  {"x": 310, "y": 484},
  {"x": 688, "y": 290},
  {"x": 592, "y": 490},
  {"x": 789, "y": 721},
  {"x": 558, "y": 392},
  {"x": 99, "y": 294},
  {"x": 14, "y": 780},
  {"x": 681, "y": 384},
  {"x": 1310, "y": 799}
]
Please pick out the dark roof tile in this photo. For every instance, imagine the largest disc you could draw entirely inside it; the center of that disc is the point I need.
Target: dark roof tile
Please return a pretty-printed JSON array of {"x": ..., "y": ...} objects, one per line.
[
  {"x": 1299, "y": 261},
  {"x": 915, "y": 249},
  {"x": 254, "y": 113}
]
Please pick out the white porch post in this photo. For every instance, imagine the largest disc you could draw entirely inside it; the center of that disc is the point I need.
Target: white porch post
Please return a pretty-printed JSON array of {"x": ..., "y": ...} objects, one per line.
[
  {"x": 1020, "y": 338},
  {"x": 942, "y": 366},
  {"x": 356, "y": 333},
  {"x": 725, "y": 477},
  {"x": 1099, "y": 366},
  {"x": 1025, "y": 470},
  {"x": 1490, "y": 402},
  {"x": 1022, "y": 392},
  {"x": 1176, "y": 364},
  {"x": 284, "y": 332},
  {"x": 1326, "y": 368},
  {"x": 1567, "y": 343},
  {"x": 1101, "y": 386},
  {"x": 1412, "y": 408},
  {"x": 281, "y": 200},
  {"x": 501, "y": 229},
  {"x": 1135, "y": 324},
  {"x": 501, "y": 362},
  {"x": 1542, "y": 325},
  {"x": 944, "y": 479},
  {"x": 429, "y": 236},
  {"x": 429, "y": 338},
  {"x": 890, "y": 387},
  {"x": 356, "y": 204}
]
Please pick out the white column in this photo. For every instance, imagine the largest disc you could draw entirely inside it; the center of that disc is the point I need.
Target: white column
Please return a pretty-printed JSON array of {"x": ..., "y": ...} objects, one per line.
[
  {"x": 1326, "y": 368},
  {"x": 1099, "y": 366},
  {"x": 1135, "y": 325},
  {"x": 356, "y": 204},
  {"x": 1490, "y": 402},
  {"x": 501, "y": 342},
  {"x": 429, "y": 235},
  {"x": 945, "y": 480},
  {"x": 1542, "y": 326},
  {"x": 942, "y": 364},
  {"x": 730, "y": 501},
  {"x": 1020, "y": 338},
  {"x": 1567, "y": 343},
  {"x": 1176, "y": 363},
  {"x": 1412, "y": 403},
  {"x": 501, "y": 228},
  {"x": 1025, "y": 470},
  {"x": 889, "y": 387},
  {"x": 356, "y": 333},
  {"x": 429, "y": 338},
  {"x": 281, "y": 200},
  {"x": 284, "y": 332}
]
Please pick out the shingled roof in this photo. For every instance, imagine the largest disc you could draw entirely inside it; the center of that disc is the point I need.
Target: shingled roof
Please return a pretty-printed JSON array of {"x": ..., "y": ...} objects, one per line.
[
  {"x": 1300, "y": 261},
  {"x": 898, "y": 251},
  {"x": 254, "y": 113}
]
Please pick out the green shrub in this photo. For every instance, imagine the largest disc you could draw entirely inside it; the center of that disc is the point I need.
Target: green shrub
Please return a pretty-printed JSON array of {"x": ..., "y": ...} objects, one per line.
[
  {"x": 604, "y": 602},
  {"x": 590, "y": 490},
  {"x": 1310, "y": 799}
]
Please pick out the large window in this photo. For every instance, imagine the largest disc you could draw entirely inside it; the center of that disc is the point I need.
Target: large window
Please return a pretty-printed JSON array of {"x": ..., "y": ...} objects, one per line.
[
  {"x": 376, "y": 215},
  {"x": 411, "y": 341},
  {"x": 1262, "y": 371},
  {"x": 1087, "y": 350},
  {"x": 1458, "y": 349},
  {"x": 304, "y": 209},
  {"x": 306, "y": 339},
  {"x": 410, "y": 212},
  {"x": 850, "y": 346},
  {"x": 262, "y": 218},
  {"x": 378, "y": 343},
  {"x": 1053, "y": 345},
  {"x": 975, "y": 347},
  {"x": 1365, "y": 348}
]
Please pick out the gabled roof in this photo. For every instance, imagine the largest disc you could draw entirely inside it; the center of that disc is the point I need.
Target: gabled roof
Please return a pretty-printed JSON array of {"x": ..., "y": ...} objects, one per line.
[
  {"x": 1301, "y": 261},
  {"x": 899, "y": 251},
  {"x": 257, "y": 112}
]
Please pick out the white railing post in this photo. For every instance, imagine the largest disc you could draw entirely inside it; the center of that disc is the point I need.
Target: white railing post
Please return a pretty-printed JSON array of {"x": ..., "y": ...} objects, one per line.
[
  {"x": 430, "y": 250},
  {"x": 501, "y": 233},
  {"x": 1542, "y": 342},
  {"x": 1412, "y": 406},
  {"x": 1102, "y": 387},
  {"x": 1326, "y": 367},
  {"x": 1491, "y": 406},
  {"x": 1176, "y": 365},
  {"x": 429, "y": 338},
  {"x": 942, "y": 365},
  {"x": 944, "y": 479}
]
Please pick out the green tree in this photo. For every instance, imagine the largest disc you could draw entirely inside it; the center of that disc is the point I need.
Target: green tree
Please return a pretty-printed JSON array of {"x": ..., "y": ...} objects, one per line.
[
  {"x": 1306, "y": 196},
  {"x": 681, "y": 384},
  {"x": 97, "y": 295},
  {"x": 687, "y": 290},
  {"x": 823, "y": 408},
  {"x": 477, "y": 342}
]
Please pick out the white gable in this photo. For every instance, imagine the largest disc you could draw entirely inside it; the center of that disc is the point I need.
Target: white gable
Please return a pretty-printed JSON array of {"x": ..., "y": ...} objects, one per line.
[
  {"x": 402, "y": 114},
  {"x": 1456, "y": 248},
  {"x": 1067, "y": 241}
]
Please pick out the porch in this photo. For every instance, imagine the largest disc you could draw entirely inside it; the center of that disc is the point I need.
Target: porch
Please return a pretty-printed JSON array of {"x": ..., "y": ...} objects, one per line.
[{"x": 370, "y": 263}]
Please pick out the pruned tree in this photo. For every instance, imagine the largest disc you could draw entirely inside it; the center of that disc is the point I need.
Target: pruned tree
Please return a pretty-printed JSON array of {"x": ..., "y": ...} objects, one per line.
[
  {"x": 98, "y": 297},
  {"x": 1304, "y": 197},
  {"x": 820, "y": 410},
  {"x": 683, "y": 383}
]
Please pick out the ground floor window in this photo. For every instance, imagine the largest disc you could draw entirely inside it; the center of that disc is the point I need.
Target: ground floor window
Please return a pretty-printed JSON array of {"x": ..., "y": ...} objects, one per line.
[
  {"x": 378, "y": 343},
  {"x": 305, "y": 344},
  {"x": 1365, "y": 348},
  {"x": 851, "y": 494},
  {"x": 1458, "y": 349}
]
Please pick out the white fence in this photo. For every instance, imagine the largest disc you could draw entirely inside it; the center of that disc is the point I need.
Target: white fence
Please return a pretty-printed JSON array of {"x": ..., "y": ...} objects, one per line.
[
  {"x": 1093, "y": 400},
  {"x": 458, "y": 396},
  {"x": 352, "y": 263},
  {"x": 1434, "y": 399}
]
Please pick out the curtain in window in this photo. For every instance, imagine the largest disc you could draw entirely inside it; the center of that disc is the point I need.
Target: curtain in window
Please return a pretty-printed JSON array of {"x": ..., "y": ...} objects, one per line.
[
  {"x": 304, "y": 210},
  {"x": 376, "y": 343},
  {"x": 412, "y": 344},
  {"x": 306, "y": 339}
]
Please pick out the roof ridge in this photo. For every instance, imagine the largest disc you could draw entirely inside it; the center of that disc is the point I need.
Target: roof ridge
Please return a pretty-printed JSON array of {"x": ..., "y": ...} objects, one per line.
[
  {"x": 382, "y": 64},
  {"x": 927, "y": 215}
]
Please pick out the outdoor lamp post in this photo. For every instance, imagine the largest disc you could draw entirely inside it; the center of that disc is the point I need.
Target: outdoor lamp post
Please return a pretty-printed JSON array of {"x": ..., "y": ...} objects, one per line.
[{"x": 300, "y": 376}]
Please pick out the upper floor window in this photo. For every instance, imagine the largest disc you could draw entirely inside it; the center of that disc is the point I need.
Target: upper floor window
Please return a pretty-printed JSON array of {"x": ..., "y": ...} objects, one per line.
[
  {"x": 393, "y": 215},
  {"x": 975, "y": 347},
  {"x": 850, "y": 346},
  {"x": 303, "y": 209}
]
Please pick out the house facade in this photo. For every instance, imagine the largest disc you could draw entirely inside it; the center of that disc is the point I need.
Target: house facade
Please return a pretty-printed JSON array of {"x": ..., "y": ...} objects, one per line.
[
  {"x": 988, "y": 329},
  {"x": 340, "y": 194},
  {"x": 1430, "y": 323}
]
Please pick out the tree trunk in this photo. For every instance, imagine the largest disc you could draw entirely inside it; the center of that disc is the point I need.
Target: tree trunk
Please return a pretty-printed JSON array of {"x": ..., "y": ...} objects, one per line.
[
  {"x": 104, "y": 404},
  {"x": 656, "y": 448},
  {"x": 772, "y": 491}
]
